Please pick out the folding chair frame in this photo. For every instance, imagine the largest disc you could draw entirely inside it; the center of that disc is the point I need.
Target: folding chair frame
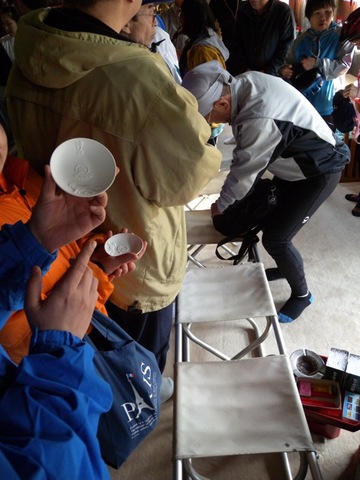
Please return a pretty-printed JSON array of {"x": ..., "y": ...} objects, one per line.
[{"x": 184, "y": 336}]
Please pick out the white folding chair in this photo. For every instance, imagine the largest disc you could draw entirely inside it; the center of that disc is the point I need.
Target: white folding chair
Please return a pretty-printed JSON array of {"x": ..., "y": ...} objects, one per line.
[{"x": 238, "y": 405}]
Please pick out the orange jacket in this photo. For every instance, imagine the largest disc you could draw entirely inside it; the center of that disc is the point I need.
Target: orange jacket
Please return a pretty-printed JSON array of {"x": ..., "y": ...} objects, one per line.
[{"x": 16, "y": 205}]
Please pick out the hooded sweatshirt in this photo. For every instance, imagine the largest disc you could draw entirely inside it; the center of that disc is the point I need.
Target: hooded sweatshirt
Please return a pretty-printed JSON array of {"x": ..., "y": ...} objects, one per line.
[
  {"x": 83, "y": 83},
  {"x": 202, "y": 50}
]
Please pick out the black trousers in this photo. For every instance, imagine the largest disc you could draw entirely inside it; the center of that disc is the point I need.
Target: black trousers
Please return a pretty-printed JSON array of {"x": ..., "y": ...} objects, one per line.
[
  {"x": 298, "y": 202},
  {"x": 152, "y": 330}
]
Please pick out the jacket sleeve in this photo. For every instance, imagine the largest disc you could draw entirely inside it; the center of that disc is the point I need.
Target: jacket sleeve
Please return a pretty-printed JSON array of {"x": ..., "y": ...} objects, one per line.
[
  {"x": 53, "y": 401},
  {"x": 174, "y": 162},
  {"x": 334, "y": 68},
  {"x": 287, "y": 36},
  {"x": 19, "y": 252},
  {"x": 290, "y": 57},
  {"x": 256, "y": 146}
]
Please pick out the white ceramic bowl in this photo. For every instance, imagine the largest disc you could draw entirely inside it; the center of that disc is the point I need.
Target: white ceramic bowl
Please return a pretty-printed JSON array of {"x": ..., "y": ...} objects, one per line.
[
  {"x": 123, "y": 243},
  {"x": 83, "y": 167}
]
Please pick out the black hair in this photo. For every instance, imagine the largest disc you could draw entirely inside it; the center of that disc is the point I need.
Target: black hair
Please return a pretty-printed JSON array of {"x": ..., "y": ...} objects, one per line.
[
  {"x": 312, "y": 5},
  {"x": 10, "y": 12},
  {"x": 198, "y": 18}
]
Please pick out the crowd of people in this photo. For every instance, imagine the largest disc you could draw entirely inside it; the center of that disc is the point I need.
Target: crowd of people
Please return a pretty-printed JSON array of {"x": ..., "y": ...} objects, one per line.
[{"x": 155, "y": 86}]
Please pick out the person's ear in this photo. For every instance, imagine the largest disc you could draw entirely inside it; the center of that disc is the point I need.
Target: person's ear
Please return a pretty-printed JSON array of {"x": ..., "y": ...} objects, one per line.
[
  {"x": 126, "y": 28},
  {"x": 223, "y": 104}
]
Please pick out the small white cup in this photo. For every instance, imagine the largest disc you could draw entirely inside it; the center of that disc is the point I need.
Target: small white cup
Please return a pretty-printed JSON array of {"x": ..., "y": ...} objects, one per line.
[
  {"x": 123, "y": 243},
  {"x": 83, "y": 167}
]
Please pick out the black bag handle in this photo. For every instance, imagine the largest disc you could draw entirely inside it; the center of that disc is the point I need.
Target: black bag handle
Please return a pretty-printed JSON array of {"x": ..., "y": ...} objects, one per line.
[{"x": 249, "y": 239}]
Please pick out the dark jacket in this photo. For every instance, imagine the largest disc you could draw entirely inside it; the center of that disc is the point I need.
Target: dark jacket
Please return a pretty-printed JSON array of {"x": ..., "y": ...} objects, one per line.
[
  {"x": 226, "y": 13},
  {"x": 262, "y": 40}
]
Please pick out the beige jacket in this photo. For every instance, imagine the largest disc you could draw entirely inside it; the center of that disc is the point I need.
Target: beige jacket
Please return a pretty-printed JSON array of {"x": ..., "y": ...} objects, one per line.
[{"x": 67, "y": 85}]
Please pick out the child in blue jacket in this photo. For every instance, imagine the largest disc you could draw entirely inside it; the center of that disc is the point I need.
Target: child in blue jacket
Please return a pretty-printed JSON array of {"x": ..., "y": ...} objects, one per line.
[{"x": 318, "y": 47}]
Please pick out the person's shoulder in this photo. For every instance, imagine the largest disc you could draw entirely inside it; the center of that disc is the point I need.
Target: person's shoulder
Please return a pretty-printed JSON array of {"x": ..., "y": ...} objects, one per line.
[
  {"x": 132, "y": 56},
  {"x": 334, "y": 30},
  {"x": 161, "y": 34},
  {"x": 168, "y": 12},
  {"x": 244, "y": 6},
  {"x": 148, "y": 68},
  {"x": 280, "y": 6}
]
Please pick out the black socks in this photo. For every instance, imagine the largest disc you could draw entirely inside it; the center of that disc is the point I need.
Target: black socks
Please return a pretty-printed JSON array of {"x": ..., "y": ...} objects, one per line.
[{"x": 294, "y": 307}]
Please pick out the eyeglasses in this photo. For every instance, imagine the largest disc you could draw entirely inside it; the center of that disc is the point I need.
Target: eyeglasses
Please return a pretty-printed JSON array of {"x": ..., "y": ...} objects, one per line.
[{"x": 153, "y": 14}]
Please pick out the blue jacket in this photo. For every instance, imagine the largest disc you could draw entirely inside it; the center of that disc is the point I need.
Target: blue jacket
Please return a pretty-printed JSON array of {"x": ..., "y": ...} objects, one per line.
[
  {"x": 332, "y": 60},
  {"x": 51, "y": 405},
  {"x": 19, "y": 252},
  {"x": 52, "y": 401}
]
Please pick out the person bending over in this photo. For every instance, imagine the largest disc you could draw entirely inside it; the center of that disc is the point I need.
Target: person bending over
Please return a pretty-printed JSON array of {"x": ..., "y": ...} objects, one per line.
[{"x": 276, "y": 130}]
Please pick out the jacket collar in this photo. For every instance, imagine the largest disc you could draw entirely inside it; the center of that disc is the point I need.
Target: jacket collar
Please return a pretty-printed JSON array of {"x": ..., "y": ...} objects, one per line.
[{"x": 14, "y": 174}]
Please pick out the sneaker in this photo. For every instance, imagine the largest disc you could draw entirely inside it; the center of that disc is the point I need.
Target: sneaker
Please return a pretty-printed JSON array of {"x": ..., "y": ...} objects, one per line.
[
  {"x": 352, "y": 197},
  {"x": 166, "y": 389}
]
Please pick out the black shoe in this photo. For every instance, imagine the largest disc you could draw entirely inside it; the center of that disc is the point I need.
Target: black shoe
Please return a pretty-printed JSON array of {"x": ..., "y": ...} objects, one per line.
[
  {"x": 356, "y": 210},
  {"x": 352, "y": 197}
]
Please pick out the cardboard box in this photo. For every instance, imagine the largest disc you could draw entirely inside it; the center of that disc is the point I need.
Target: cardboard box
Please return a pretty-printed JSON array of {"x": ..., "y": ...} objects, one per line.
[
  {"x": 351, "y": 408},
  {"x": 336, "y": 365},
  {"x": 316, "y": 393},
  {"x": 351, "y": 381},
  {"x": 329, "y": 422}
]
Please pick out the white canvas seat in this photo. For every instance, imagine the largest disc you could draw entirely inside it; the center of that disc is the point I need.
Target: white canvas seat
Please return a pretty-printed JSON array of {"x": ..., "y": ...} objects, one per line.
[{"x": 239, "y": 405}]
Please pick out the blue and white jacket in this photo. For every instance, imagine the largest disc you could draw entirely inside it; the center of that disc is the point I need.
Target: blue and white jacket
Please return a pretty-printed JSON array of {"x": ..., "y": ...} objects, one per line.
[
  {"x": 276, "y": 129},
  {"x": 332, "y": 60}
]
